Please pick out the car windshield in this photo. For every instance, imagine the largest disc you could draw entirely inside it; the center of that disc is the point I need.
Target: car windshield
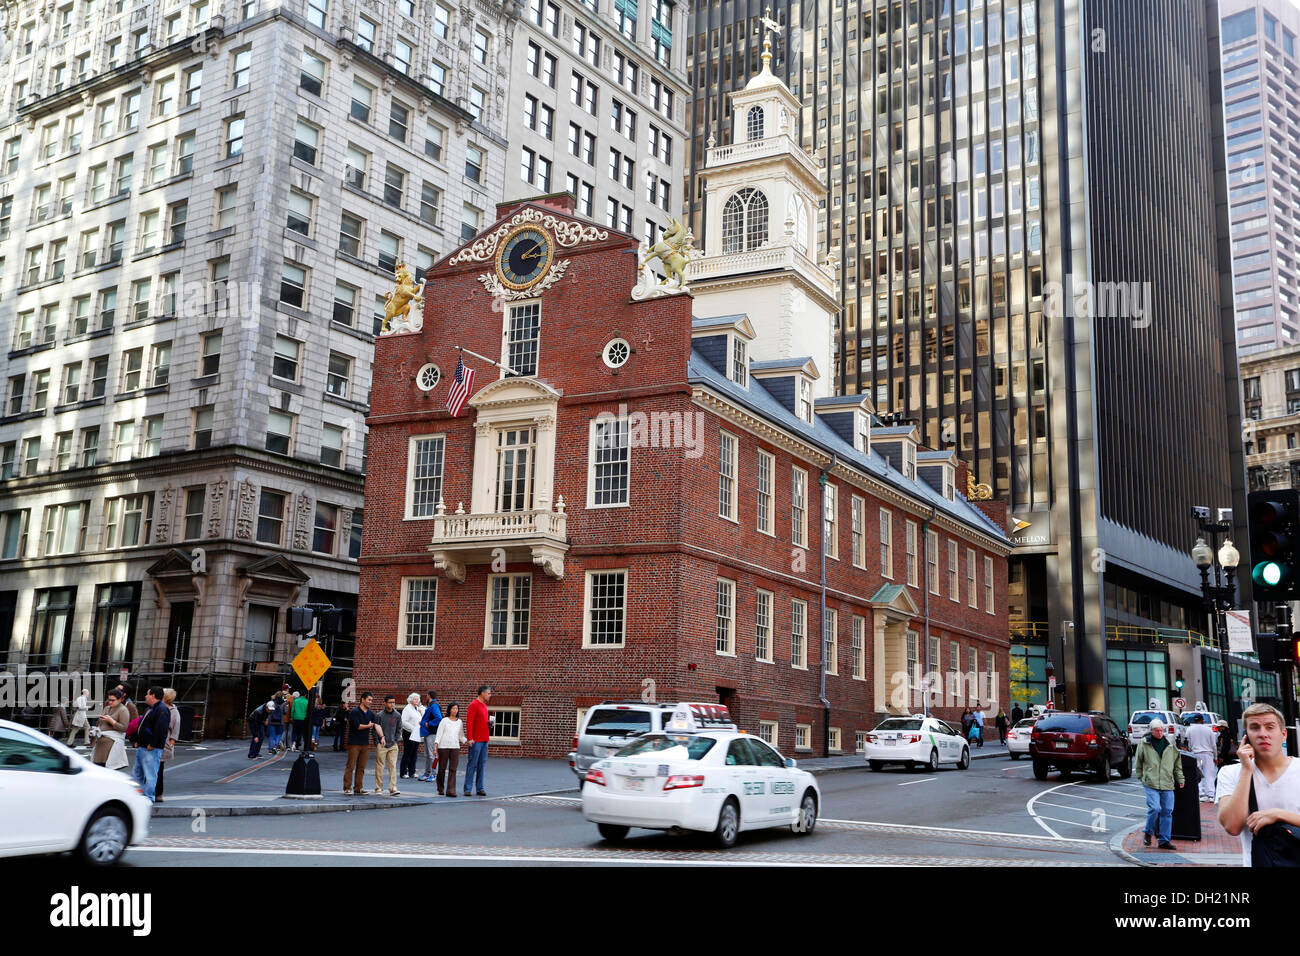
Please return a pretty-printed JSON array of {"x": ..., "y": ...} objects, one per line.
[
  {"x": 899, "y": 723},
  {"x": 1027, "y": 722},
  {"x": 609, "y": 722},
  {"x": 1067, "y": 723},
  {"x": 695, "y": 747}
]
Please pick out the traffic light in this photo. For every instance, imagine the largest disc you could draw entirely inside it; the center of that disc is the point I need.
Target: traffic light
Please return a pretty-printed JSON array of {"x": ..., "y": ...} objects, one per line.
[
  {"x": 298, "y": 620},
  {"x": 1274, "y": 540},
  {"x": 1178, "y": 680},
  {"x": 1286, "y": 651}
]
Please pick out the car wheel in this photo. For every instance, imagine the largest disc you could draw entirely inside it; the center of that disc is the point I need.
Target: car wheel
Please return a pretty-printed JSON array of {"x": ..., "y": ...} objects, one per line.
[
  {"x": 1126, "y": 768},
  {"x": 1103, "y": 770},
  {"x": 876, "y": 765},
  {"x": 728, "y": 824},
  {"x": 1015, "y": 756},
  {"x": 1040, "y": 770},
  {"x": 106, "y": 837},
  {"x": 933, "y": 765},
  {"x": 964, "y": 762},
  {"x": 612, "y": 833},
  {"x": 807, "y": 821}
]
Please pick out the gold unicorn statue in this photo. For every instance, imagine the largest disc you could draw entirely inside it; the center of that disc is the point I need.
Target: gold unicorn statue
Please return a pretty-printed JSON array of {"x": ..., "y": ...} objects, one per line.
[
  {"x": 397, "y": 304},
  {"x": 674, "y": 250}
]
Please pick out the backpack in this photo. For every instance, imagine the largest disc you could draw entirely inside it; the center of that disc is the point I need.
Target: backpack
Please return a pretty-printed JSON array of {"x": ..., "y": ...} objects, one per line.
[
  {"x": 133, "y": 730},
  {"x": 1277, "y": 844}
]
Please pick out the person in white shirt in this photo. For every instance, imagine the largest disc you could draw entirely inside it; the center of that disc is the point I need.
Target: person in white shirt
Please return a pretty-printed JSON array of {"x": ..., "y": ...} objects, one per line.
[
  {"x": 411, "y": 735},
  {"x": 1276, "y": 779},
  {"x": 448, "y": 740},
  {"x": 80, "y": 721},
  {"x": 1200, "y": 740}
]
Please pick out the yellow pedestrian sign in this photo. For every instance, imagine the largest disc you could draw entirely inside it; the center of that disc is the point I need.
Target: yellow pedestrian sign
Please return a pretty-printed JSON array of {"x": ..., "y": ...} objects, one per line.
[{"x": 311, "y": 664}]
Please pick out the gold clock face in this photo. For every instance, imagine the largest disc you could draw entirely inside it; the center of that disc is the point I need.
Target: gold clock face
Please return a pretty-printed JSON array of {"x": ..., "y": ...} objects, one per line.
[{"x": 525, "y": 257}]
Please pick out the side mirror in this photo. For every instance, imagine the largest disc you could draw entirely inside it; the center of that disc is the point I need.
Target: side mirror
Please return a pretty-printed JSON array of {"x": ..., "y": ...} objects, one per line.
[
  {"x": 789, "y": 762},
  {"x": 65, "y": 763}
]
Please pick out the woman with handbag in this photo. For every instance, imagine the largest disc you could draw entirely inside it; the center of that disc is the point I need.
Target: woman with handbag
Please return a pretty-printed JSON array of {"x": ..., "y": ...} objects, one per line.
[
  {"x": 110, "y": 745},
  {"x": 411, "y": 716}
]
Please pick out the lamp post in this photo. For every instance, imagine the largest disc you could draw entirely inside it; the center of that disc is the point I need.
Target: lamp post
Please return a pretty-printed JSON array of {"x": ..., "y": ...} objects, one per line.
[{"x": 1218, "y": 578}]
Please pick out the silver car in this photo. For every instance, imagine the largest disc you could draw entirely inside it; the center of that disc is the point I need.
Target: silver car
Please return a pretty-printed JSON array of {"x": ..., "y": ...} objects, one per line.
[{"x": 610, "y": 726}]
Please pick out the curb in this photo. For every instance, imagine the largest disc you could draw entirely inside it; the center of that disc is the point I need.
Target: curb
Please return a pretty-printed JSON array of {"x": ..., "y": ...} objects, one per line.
[
  {"x": 1117, "y": 847},
  {"x": 274, "y": 810}
]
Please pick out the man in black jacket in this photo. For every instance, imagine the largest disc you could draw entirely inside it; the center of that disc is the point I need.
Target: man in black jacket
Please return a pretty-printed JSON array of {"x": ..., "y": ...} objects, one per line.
[{"x": 151, "y": 737}]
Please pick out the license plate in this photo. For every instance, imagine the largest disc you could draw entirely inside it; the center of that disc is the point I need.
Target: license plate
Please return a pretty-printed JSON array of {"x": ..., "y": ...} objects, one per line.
[
  {"x": 634, "y": 783},
  {"x": 1061, "y": 745},
  {"x": 888, "y": 743}
]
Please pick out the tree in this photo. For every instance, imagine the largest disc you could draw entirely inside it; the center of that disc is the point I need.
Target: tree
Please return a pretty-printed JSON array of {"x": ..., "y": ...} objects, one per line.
[{"x": 1018, "y": 677}]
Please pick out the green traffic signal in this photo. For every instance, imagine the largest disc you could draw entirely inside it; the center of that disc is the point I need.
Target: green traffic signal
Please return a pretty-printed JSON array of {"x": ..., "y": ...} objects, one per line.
[{"x": 1268, "y": 573}]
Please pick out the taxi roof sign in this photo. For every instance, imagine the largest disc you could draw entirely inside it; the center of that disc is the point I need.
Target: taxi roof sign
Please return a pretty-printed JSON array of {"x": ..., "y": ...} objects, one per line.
[{"x": 690, "y": 717}]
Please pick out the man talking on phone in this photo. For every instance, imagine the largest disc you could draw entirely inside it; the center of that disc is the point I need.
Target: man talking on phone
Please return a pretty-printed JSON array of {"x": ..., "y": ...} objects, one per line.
[{"x": 1264, "y": 788}]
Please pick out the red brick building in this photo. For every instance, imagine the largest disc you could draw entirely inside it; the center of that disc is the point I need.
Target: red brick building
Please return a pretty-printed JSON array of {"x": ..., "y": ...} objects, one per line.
[{"x": 664, "y": 502}]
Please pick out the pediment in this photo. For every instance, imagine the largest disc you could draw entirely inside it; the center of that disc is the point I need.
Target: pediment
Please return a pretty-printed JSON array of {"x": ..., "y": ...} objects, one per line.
[
  {"x": 275, "y": 567},
  {"x": 567, "y": 231},
  {"x": 174, "y": 563},
  {"x": 894, "y": 600},
  {"x": 514, "y": 393}
]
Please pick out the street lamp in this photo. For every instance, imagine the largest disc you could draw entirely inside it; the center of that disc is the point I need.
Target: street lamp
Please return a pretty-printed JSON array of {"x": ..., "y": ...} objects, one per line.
[{"x": 1218, "y": 581}]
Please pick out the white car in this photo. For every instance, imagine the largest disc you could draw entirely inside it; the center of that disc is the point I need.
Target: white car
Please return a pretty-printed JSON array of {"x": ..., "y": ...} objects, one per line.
[
  {"x": 53, "y": 800},
  {"x": 699, "y": 775},
  {"x": 1138, "y": 725},
  {"x": 915, "y": 741},
  {"x": 1018, "y": 737}
]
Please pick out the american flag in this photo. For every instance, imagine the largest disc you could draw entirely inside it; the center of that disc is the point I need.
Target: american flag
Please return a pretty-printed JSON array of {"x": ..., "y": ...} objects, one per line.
[{"x": 460, "y": 388}]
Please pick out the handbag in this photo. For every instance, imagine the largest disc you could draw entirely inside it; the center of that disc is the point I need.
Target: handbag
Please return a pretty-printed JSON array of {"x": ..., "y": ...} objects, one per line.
[{"x": 1277, "y": 844}]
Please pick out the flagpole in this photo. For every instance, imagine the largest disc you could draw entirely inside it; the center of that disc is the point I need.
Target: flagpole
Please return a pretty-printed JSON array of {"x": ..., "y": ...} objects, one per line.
[{"x": 505, "y": 368}]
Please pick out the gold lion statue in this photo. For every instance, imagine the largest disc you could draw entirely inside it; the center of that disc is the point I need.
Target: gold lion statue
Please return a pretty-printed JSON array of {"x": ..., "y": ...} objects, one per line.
[{"x": 397, "y": 304}]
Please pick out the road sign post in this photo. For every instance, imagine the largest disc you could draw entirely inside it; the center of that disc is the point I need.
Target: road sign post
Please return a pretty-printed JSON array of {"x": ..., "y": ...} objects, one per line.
[{"x": 310, "y": 666}]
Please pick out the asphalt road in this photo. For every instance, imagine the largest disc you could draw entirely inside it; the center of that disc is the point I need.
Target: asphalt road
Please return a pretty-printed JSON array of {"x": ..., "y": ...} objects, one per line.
[{"x": 987, "y": 815}]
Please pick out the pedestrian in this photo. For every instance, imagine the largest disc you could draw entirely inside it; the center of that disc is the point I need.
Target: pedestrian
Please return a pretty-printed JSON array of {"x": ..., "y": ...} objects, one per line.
[
  {"x": 130, "y": 704},
  {"x": 110, "y": 745},
  {"x": 449, "y": 738},
  {"x": 388, "y": 735},
  {"x": 1227, "y": 745},
  {"x": 1159, "y": 767},
  {"x": 1017, "y": 715},
  {"x": 978, "y": 719},
  {"x": 59, "y": 722},
  {"x": 411, "y": 716},
  {"x": 151, "y": 737},
  {"x": 477, "y": 731},
  {"x": 272, "y": 718},
  {"x": 1273, "y": 796},
  {"x": 360, "y": 723},
  {"x": 341, "y": 726},
  {"x": 1002, "y": 726},
  {"x": 299, "y": 717},
  {"x": 173, "y": 733},
  {"x": 1200, "y": 741},
  {"x": 80, "y": 718},
  {"x": 965, "y": 723},
  {"x": 317, "y": 721},
  {"x": 257, "y": 730},
  {"x": 429, "y": 724}
]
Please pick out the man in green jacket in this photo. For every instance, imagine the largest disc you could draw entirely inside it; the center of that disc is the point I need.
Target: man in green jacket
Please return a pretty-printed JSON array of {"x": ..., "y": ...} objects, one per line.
[
  {"x": 1159, "y": 766},
  {"x": 298, "y": 714}
]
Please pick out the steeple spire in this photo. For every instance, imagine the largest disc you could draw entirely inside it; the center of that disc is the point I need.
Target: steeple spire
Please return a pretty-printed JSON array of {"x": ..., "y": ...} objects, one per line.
[{"x": 768, "y": 26}]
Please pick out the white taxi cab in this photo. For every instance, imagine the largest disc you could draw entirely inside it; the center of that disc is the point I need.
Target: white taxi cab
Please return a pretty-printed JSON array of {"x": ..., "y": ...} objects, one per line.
[
  {"x": 701, "y": 774},
  {"x": 914, "y": 741}
]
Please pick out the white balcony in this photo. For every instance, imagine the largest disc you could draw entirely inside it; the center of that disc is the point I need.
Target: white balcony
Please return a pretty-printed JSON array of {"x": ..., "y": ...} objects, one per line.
[
  {"x": 780, "y": 145},
  {"x": 464, "y": 538},
  {"x": 768, "y": 259}
]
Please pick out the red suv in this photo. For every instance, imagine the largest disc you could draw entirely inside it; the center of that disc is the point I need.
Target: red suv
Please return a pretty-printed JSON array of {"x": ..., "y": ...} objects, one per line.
[{"x": 1079, "y": 741}]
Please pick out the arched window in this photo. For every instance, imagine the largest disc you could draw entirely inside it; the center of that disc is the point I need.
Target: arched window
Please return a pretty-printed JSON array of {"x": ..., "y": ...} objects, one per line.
[
  {"x": 754, "y": 123},
  {"x": 797, "y": 211},
  {"x": 744, "y": 221}
]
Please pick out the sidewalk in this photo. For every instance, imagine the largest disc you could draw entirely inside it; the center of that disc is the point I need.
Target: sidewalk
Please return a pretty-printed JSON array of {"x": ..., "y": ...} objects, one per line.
[{"x": 1215, "y": 848}]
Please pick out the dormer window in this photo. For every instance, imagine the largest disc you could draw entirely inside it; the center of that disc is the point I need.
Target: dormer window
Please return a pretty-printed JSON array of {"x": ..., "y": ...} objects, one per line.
[
  {"x": 806, "y": 406},
  {"x": 948, "y": 482},
  {"x": 909, "y": 461},
  {"x": 862, "y": 439},
  {"x": 739, "y": 361}
]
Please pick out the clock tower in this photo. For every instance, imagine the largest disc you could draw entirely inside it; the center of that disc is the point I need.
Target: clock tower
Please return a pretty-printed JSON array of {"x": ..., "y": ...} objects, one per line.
[{"x": 760, "y": 253}]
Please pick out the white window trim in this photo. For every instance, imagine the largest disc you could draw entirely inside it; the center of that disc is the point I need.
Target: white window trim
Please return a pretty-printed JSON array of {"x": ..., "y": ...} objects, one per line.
[
  {"x": 586, "y": 605},
  {"x": 833, "y": 659},
  {"x": 510, "y": 614},
  {"x": 990, "y": 589},
  {"x": 802, "y": 541},
  {"x": 591, "y": 465},
  {"x": 911, "y": 554},
  {"x": 731, "y": 624},
  {"x": 932, "y": 568},
  {"x": 410, "y": 474},
  {"x": 733, "y": 504},
  {"x": 401, "y": 613},
  {"x": 887, "y": 538},
  {"x": 771, "y": 626},
  {"x": 776, "y": 731},
  {"x": 831, "y": 541},
  {"x": 804, "y": 665},
  {"x": 860, "y": 632},
  {"x": 767, "y": 456},
  {"x": 505, "y": 331},
  {"x": 954, "y": 572},
  {"x": 858, "y": 510},
  {"x": 807, "y": 729},
  {"x": 973, "y": 598},
  {"x": 836, "y": 740},
  {"x": 509, "y": 741}
]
